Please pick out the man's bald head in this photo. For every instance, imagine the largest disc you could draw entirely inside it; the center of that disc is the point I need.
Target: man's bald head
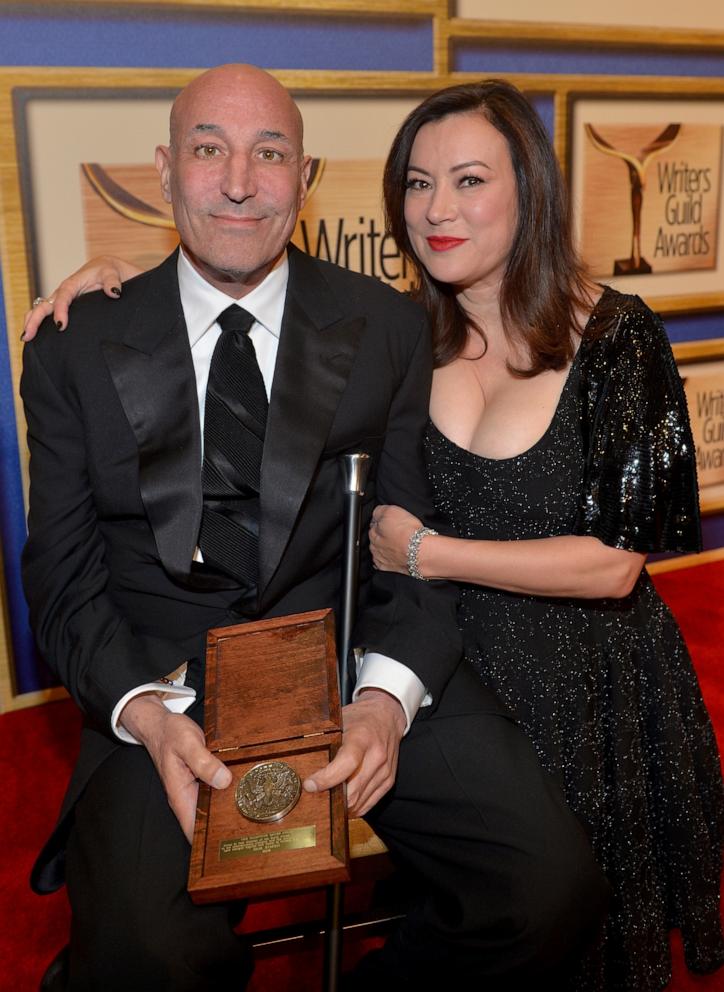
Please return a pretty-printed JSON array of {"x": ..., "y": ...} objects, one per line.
[
  {"x": 232, "y": 78},
  {"x": 234, "y": 173}
]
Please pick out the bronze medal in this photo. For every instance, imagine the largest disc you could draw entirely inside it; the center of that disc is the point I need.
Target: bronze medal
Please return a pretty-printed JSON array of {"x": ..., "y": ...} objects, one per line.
[{"x": 268, "y": 791}]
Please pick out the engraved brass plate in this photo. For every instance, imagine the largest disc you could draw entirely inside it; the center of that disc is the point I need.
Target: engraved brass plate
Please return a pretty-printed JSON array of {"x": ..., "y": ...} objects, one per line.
[
  {"x": 268, "y": 791},
  {"x": 280, "y": 840}
]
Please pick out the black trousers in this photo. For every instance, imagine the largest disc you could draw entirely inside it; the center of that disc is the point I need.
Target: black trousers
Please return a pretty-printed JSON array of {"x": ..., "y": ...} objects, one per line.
[
  {"x": 511, "y": 890},
  {"x": 513, "y": 895}
]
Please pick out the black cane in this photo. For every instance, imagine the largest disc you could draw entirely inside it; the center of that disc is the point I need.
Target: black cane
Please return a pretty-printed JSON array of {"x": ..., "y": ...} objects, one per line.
[{"x": 356, "y": 467}]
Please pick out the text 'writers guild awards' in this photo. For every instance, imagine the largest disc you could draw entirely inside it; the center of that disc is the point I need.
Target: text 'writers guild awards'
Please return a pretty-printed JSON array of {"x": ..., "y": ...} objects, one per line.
[{"x": 636, "y": 165}]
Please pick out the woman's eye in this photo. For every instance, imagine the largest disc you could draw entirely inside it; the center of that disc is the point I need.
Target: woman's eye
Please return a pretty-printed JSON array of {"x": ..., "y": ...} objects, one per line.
[
  {"x": 471, "y": 181},
  {"x": 416, "y": 184}
]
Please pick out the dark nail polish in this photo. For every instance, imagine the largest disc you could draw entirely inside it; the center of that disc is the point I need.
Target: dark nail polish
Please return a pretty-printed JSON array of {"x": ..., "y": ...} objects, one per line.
[
  {"x": 115, "y": 290},
  {"x": 59, "y": 325},
  {"x": 22, "y": 336}
]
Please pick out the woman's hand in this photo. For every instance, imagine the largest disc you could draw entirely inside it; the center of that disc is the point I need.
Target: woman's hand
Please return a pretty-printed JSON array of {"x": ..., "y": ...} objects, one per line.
[
  {"x": 390, "y": 533},
  {"x": 105, "y": 272}
]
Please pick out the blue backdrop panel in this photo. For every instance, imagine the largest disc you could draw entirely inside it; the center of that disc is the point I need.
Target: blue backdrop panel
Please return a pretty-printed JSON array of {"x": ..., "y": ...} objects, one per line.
[
  {"x": 545, "y": 108},
  {"x": 695, "y": 327},
  {"x": 127, "y": 36},
  {"x": 489, "y": 57},
  {"x": 30, "y": 672}
]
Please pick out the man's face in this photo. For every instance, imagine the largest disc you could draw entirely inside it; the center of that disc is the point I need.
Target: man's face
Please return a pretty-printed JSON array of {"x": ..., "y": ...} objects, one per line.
[{"x": 234, "y": 174}]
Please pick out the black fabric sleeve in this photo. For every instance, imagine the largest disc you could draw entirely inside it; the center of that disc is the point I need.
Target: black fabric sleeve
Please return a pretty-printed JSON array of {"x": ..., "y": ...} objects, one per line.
[
  {"x": 80, "y": 632},
  {"x": 640, "y": 489},
  {"x": 409, "y": 620}
]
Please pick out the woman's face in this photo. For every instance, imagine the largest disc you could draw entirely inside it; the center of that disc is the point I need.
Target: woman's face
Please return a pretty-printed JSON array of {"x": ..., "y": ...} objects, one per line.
[{"x": 461, "y": 206}]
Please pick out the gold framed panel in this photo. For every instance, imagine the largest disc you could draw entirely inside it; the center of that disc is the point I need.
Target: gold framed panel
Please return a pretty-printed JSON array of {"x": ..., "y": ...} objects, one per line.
[
  {"x": 55, "y": 122},
  {"x": 24, "y": 231},
  {"x": 703, "y": 380},
  {"x": 646, "y": 171},
  {"x": 29, "y": 216}
]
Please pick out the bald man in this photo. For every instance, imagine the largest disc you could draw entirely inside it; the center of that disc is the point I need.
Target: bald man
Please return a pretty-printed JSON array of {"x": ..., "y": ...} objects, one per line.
[{"x": 146, "y": 530}]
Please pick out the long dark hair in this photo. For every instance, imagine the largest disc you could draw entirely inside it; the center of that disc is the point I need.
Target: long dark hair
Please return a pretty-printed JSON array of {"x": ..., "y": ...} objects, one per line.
[{"x": 545, "y": 284}]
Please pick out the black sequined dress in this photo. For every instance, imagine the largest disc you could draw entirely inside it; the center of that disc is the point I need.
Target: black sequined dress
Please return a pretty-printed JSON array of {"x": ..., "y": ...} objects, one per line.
[{"x": 605, "y": 689}]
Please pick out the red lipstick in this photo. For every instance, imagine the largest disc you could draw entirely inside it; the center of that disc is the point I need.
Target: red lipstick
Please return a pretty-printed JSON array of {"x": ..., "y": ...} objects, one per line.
[{"x": 438, "y": 243}]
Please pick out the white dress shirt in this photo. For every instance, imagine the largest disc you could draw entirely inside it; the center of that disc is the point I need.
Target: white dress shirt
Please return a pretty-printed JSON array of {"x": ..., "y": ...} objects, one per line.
[{"x": 202, "y": 304}]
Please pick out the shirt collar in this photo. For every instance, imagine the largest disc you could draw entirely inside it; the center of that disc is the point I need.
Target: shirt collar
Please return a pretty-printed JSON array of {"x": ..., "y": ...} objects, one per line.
[{"x": 202, "y": 303}]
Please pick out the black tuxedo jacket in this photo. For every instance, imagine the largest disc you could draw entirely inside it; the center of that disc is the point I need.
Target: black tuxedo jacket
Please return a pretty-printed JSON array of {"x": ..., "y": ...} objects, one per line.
[{"x": 115, "y": 497}]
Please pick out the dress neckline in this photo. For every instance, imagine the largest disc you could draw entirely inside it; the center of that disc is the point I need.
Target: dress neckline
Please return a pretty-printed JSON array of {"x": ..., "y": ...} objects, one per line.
[{"x": 554, "y": 417}]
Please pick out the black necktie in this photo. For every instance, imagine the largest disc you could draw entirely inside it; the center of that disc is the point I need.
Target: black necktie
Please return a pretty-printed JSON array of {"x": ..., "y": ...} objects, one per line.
[{"x": 234, "y": 425}]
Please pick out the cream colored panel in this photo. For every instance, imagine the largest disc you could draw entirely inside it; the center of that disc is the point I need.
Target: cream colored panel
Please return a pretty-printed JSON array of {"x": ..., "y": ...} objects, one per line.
[
  {"x": 61, "y": 135},
  {"x": 702, "y": 14}
]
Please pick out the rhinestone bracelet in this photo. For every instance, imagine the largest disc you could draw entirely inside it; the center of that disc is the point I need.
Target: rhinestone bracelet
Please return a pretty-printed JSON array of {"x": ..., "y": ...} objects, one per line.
[{"x": 412, "y": 549}]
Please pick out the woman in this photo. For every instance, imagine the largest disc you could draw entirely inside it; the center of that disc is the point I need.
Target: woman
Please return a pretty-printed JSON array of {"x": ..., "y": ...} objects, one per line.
[{"x": 559, "y": 446}]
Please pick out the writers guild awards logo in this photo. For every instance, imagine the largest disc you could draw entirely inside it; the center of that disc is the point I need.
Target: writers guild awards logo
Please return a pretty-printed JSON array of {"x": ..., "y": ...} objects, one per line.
[
  {"x": 125, "y": 203},
  {"x": 636, "y": 165}
]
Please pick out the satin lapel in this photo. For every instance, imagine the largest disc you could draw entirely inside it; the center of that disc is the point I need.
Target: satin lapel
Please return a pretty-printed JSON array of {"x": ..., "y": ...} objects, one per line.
[
  {"x": 153, "y": 374},
  {"x": 317, "y": 347}
]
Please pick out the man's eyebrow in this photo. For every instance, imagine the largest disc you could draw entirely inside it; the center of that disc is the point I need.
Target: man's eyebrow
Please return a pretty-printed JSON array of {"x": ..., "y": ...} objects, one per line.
[
  {"x": 273, "y": 136},
  {"x": 263, "y": 135}
]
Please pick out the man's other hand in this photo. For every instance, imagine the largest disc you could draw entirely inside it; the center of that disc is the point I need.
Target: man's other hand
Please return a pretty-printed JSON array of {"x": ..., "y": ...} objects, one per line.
[
  {"x": 177, "y": 747},
  {"x": 367, "y": 759}
]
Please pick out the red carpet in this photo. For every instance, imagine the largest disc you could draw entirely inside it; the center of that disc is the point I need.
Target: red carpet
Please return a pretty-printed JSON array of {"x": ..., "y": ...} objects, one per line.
[
  {"x": 696, "y": 597},
  {"x": 36, "y": 753}
]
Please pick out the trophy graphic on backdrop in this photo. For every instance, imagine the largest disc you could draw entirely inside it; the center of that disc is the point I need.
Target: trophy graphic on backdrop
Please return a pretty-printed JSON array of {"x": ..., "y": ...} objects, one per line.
[
  {"x": 636, "y": 165},
  {"x": 132, "y": 207}
]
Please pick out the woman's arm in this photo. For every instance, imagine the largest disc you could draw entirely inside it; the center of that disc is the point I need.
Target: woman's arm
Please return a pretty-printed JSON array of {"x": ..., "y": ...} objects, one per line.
[
  {"x": 105, "y": 272},
  {"x": 580, "y": 567}
]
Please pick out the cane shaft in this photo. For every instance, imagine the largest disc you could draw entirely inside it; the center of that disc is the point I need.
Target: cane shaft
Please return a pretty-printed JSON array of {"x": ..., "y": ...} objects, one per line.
[
  {"x": 350, "y": 586},
  {"x": 355, "y": 470},
  {"x": 356, "y": 467}
]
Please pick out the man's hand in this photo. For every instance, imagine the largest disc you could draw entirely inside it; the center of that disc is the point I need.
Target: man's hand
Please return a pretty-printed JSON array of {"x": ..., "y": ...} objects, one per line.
[
  {"x": 177, "y": 747},
  {"x": 105, "y": 272},
  {"x": 367, "y": 759}
]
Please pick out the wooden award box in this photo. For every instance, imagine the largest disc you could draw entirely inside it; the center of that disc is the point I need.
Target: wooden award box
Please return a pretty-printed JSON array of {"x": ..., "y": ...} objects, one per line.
[{"x": 272, "y": 701}]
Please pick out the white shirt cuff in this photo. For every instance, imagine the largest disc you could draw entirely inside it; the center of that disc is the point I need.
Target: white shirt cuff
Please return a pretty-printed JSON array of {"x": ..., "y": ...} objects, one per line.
[
  {"x": 377, "y": 671},
  {"x": 177, "y": 698}
]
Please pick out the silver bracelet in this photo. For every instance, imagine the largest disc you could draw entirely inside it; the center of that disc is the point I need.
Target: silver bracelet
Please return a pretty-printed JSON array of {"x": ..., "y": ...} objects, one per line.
[{"x": 413, "y": 548}]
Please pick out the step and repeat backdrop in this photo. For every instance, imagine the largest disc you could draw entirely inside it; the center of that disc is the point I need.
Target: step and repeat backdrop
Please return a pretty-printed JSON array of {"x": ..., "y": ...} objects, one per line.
[{"x": 637, "y": 118}]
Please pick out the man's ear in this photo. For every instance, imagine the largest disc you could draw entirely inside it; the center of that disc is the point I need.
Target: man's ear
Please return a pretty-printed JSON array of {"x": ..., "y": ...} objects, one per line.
[
  {"x": 163, "y": 167},
  {"x": 304, "y": 185}
]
